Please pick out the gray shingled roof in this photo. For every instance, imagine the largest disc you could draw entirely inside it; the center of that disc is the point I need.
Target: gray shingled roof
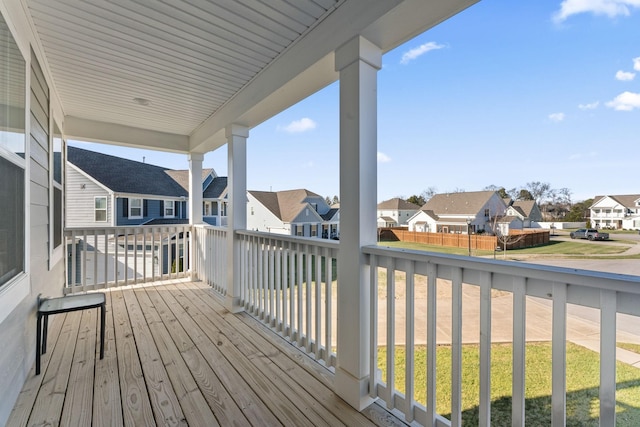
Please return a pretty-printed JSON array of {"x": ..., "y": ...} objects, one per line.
[
  {"x": 524, "y": 206},
  {"x": 181, "y": 176},
  {"x": 216, "y": 188},
  {"x": 125, "y": 176},
  {"x": 330, "y": 214},
  {"x": 285, "y": 205},
  {"x": 464, "y": 203},
  {"x": 626, "y": 200},
  {"x": 398, "y": 204}
]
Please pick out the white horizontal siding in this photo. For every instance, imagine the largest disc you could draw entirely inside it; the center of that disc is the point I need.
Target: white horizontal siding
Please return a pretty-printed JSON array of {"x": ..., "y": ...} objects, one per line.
[{"x": 80, "y": 201}]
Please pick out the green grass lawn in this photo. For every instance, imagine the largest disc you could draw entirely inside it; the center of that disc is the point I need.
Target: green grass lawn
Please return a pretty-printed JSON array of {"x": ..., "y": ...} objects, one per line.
[
  {"x": 556, "y": 247},
  {"x": 582, "y": 384}
]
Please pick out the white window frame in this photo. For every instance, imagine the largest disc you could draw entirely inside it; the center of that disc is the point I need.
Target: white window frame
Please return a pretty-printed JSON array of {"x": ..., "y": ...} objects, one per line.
[
  {"x": 131, "y": 207},
  {"x": 56, "y": 253},
  {"x": 105, "y": 209},
  {"x": 17, "y": 288},
  {"x": 168, "y": 203}
]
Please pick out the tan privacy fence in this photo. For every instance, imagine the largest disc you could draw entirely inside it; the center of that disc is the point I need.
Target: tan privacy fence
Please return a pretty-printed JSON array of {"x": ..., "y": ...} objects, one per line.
[{"x": 516, "y": 239}]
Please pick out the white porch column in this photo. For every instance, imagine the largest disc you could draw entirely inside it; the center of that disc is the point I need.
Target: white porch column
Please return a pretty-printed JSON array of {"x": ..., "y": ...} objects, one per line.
[
  {"x": 195, "y": 205},
  {"x": 195, "y": 188},
  {"x": 236, "y": 209},
  {"x": 358, "y": 62}
]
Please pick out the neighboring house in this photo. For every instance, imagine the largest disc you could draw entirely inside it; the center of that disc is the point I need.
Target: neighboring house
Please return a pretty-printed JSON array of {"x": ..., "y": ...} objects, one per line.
[
  {"x": 459, "y": 212},
  {"x": 293, "y": 212},
  {"x": 104, "y": 190},
  {"x": 527, "y": 212},
  {"x": 395, "y": 212},
  {"x": 214, "y": 202},
  {"x": 214, "y": 194},
  {"x": 616, "y": 212}
]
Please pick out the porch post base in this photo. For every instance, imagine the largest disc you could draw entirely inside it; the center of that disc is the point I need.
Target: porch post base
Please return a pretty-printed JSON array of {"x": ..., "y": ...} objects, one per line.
[
  {"x": 233, "y": 304},
  {"x": 352, "y": 390}
]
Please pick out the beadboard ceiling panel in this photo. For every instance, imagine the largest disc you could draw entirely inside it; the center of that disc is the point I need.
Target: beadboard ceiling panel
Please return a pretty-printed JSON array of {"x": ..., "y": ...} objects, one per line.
[
  {"x": 174, "y": 74},
  {"x": 186, "y": 58}
]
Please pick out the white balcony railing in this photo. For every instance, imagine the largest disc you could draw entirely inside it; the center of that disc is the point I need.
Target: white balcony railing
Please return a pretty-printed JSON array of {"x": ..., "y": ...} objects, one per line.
[
  {"x": 423, "y": 278},
  {"x": 290, "y": 284},
  {"x": 116, "y": 256},
  {"x": 210, "y": 260}
]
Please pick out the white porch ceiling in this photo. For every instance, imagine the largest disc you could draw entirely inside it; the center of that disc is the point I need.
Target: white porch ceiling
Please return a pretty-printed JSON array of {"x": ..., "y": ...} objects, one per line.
[{"x": 203, "y": 64}]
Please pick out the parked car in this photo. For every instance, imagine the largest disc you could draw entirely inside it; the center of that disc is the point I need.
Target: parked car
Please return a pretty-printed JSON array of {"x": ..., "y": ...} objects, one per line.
[{"x": 589, "y": 233}]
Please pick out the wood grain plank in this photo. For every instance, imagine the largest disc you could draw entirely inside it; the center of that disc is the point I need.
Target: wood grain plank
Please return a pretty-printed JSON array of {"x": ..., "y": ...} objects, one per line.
[
  {"x": 262, "y": 382},
  {"x": 27, "y": 397},
  {"x": 48, "y": 404},
  {"x": 164, "y": 402},
  {"x": 107, "y": 406},
  {"x": 78, "y": 402},
  {"x": 315, "y": 394},
  {"x": 311, "y": 375},
  {"x": 193, "y": 404},
  {"x": 225, "y": 409},
  {"x": 252, "y": 406},
  {"x": 176, "y": 346},
  {"x": 136, "y": 407}
]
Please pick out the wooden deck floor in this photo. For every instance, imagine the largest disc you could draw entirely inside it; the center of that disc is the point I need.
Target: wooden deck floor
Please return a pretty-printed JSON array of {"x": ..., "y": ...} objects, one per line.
[{"x": 175, "y": 356}]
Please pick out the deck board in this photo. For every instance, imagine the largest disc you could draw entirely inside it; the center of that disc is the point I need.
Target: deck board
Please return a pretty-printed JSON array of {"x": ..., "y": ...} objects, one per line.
[
  {"x": 175, "y": 356},
  {"x": 107, "y": 406}
]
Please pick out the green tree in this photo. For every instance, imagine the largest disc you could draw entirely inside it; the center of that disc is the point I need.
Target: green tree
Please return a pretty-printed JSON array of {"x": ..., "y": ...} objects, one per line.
[
  {"x": 579, "y": 211},
  {"x": 525, "y": 194},
  {"x": 417, "y": 200}
]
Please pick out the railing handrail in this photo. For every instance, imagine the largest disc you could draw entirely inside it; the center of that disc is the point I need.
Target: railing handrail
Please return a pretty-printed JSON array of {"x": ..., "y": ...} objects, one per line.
[
  {"x": 571, "y": 276},
  {"x": 610, "y": 293},
  {"x": 315, "y": 241}
]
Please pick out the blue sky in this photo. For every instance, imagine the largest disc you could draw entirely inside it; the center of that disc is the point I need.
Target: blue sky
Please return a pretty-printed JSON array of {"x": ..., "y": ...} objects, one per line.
[{"x": 504, "y": 93}]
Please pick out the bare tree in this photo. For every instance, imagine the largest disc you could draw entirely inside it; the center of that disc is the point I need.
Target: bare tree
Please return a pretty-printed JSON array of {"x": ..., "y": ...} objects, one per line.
[
  {"x": 429, "y": 193},
  {"x": 539, "y": 190},
  {"x": 503, "y": 234}
]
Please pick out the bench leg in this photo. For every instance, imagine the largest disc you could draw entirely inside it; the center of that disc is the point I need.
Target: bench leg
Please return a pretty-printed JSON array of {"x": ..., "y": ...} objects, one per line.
[
  {"x": 102, "y": 318},
  {"x": 44, "y": 333},
  {"x": 38, "y": 341}
]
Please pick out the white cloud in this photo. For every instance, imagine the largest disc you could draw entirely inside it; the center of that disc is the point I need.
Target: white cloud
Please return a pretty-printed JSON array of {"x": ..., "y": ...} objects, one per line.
[
  {"x": 383, "y": 158},
  {"x": 556, "y": 117},
  {"x": 298, "y": 126},
  {"x": 609, "y": 8},
  {"x": 419, "y": 51},
  {"x": 636, "y": 63},
  {"x": 590, "y": 106},
  {"x": 626, "y": 101},
  {"x": 625, "y": 76}
]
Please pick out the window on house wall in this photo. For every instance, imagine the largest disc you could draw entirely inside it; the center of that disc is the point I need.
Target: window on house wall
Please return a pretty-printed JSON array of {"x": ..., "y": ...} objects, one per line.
[
  {"x": 314, "y": 230},
  {"x": 100, "y": 209},
  {"x": 169, "y": 208},
  {"x": 299, "y": 230},
  {"x": 57, "y": 172},
  {"x": 487, "y": 213},
  {"x": 12, "y": 156},
  {"x": 135, "y": 208},
  {"x": 206, "y": 208}
]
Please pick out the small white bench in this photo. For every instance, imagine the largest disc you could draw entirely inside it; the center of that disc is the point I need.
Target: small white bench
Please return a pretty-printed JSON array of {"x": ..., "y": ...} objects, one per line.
[{"x": 49, "y": 306}]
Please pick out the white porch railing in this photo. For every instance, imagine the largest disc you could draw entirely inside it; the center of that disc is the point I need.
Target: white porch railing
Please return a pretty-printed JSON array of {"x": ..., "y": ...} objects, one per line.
[
  {"x": 210, "y": 260},
  {"x": 289, "y": 283},
  {"x": 423, "y": 276},
  {"x": 117, "y": 256}
]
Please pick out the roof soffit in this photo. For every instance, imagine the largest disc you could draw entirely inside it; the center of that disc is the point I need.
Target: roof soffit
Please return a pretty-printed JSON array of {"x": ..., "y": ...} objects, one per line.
[{"x": 183, "y": 57}]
